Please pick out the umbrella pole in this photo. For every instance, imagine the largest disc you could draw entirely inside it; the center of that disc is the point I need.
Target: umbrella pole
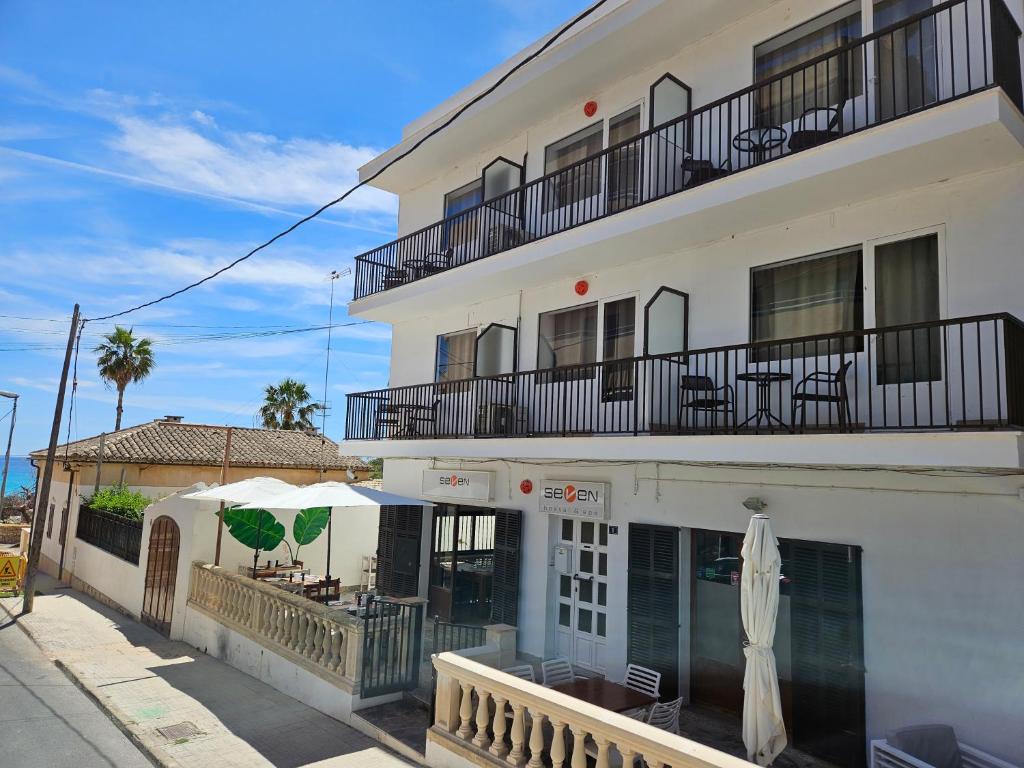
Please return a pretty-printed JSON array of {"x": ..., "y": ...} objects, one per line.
[
  {"x": 256, "y": 553},
  {"x": 330, "y": 517}
]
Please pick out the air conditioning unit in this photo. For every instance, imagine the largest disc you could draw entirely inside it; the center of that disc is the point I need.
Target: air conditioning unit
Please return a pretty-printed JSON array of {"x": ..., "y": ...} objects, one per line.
[
  {"x": 500, "y": 419},
  {"x": 503, "y": 236}
]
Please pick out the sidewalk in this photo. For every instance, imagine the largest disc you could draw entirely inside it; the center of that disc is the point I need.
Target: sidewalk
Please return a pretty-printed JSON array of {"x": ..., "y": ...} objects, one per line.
[{"x": 186, "y": 709}]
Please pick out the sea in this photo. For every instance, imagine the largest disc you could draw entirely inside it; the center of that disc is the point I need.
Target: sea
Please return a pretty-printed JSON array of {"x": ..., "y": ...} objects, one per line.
[{"x": 21, "y": 473}]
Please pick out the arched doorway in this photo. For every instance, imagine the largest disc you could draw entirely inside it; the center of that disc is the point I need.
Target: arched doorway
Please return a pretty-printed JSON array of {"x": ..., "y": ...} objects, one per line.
[{"x": 161, "y": 573}]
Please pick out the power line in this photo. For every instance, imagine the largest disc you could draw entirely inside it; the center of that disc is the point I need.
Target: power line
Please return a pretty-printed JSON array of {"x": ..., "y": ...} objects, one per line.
[{"x": 402, "y": 155}]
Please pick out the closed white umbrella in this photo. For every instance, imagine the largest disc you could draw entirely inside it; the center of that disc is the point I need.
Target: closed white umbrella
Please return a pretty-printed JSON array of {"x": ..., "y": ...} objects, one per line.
[
  {"x": 243, "y": 491},
  {"x": 332, "y": 494},
  {"x": 764, "y": 732}
]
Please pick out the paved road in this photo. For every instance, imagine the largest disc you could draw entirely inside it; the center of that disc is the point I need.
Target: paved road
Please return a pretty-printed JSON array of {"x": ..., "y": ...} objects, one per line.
[{"x": 45, "y": 720}]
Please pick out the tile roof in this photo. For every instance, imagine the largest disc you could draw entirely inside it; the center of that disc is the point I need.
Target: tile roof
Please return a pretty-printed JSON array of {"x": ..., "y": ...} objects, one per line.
[{"x": 170, "y": 442}]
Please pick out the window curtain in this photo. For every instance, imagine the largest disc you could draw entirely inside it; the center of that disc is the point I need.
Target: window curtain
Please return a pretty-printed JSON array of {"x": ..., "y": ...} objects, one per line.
[
  {"x": 461, "y": 227},
  {"x": 619, "y": 338},
  {"x": 455, "y": 356},
  {"x": 624, "y": 162},
  {"x": 908, "y": 64},
  {"x": 907, "y": 291},
  {"x": 818, "y": 295},
  {"x": 568, "y": 337},
  {"x": 581, "y": 182},
  {"x": 828, "y": 83}
]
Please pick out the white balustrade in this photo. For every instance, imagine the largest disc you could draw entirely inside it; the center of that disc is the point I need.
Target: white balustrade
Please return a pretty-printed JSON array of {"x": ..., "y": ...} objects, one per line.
[
  {"x": 547, "y": 726},
  {"x": 323, "y": 638}
]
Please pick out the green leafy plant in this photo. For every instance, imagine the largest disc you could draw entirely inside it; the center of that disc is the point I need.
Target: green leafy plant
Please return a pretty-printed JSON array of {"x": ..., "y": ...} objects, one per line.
[
  {"x": 254, "y": 528},
  {"x": 119, "y": 500},
  {"x": 308, "y": 526}
]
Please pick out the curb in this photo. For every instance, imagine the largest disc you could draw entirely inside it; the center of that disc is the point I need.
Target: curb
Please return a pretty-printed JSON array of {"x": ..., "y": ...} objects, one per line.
[{"x": 113, "y": 716}]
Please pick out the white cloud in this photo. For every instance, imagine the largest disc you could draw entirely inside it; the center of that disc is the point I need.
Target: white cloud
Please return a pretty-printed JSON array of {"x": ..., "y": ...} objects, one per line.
[{"x": 250, "y": 166}]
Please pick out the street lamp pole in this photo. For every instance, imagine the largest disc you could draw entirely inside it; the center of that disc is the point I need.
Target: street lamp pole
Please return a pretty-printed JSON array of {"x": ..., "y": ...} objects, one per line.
[{"x": 7, "y": 455}]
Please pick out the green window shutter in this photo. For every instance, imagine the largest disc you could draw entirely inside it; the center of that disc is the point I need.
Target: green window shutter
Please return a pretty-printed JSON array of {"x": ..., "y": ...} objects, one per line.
[
  {"x": 653, "y": 609},
  {"x": 508, "y": 539},
  {"x": 398, "y": 550}
]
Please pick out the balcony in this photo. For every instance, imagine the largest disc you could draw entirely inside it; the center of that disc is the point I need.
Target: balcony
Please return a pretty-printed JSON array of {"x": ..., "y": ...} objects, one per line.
[
  {"x": 953, "y": 50},
  {"x": 964, "y": 374}
]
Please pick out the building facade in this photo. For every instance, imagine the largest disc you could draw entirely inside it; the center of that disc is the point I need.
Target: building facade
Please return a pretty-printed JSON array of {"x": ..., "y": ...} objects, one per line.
[{"x": 695, "y": 259}]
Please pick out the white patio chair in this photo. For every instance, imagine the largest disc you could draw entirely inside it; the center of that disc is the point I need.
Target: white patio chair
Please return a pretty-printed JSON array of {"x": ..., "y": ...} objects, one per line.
[
  {"x": 643, "y": 680},
  {"x": 929, "y": 746},
  {"x": 523, "y": 672},
  {"x": 556, "y": 671},
  {"x": 665, "y": 715}
]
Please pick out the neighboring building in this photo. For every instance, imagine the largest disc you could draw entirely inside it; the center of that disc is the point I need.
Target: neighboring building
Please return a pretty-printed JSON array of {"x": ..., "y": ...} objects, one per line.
[
  {"x": 167, "y": 455},
  {"x": 706, "y": 253}
]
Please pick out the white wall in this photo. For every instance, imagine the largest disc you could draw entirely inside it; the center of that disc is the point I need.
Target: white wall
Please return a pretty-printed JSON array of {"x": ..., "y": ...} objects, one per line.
[
  {"x": 978, "y": 219},
  {"x": 943, "y": 608}
]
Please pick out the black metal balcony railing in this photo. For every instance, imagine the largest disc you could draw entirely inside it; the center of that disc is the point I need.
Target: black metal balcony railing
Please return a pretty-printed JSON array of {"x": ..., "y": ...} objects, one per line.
[
  {"x": 952, "y": 50},
  {"x": 118, "y": 535},
  {"x": 962, "y": 374}
]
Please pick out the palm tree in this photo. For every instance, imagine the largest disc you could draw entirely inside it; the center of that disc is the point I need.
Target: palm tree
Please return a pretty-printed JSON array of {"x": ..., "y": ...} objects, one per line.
[
  {"x": 288, "y": 406},
  {"x": 123, "y": 360}
]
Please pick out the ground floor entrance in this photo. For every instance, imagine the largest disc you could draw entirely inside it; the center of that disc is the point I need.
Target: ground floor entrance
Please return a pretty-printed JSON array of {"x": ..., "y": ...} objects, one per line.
[{"x": 581, "y": 611}]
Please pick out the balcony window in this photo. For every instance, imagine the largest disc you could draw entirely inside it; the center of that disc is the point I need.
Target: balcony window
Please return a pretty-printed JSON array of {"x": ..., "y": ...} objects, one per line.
[
  {"x": 581, "y": 182},
  {"x": 908, "y": 63},
  {"x": 907, "y": 291},
  {"x": 461, "y": 227},
  {"x": 828, "y": 83},
  {"x": 619, "y": 339},
  {"x": 567, "y": 338},
  {"x": 814, "y": 295},
  {"x": 456, "y": 353}
]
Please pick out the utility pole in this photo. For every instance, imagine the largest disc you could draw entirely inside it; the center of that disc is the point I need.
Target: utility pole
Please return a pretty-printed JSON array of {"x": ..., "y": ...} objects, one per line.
[
  {"x": 335, "y": 274},
  {"x": 44, "y": 490},
  {"x": 7, "y": 456}
]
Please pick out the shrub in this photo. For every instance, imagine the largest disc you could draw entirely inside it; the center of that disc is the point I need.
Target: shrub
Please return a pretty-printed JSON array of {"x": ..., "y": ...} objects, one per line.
[{"x": 119, "y": 500}]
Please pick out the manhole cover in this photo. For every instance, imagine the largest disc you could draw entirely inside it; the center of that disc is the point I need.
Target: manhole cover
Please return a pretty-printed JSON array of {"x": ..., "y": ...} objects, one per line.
[{"x": 178, "y": 731}]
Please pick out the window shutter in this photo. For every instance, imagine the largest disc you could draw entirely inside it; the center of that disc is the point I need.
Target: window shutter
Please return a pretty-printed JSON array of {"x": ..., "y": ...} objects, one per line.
[
  {"x": 827, "y": 651},
  {"x": 653, "y": 608},
  {"x": 508, "y": 538},
  {"x": 398, "y": 550}
]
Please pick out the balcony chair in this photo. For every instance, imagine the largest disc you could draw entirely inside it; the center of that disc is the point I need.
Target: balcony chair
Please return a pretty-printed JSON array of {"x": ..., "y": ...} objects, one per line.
[
  {"x": 394, "y": 277},
  {"x": 388, "y": 420},
  {"x": 323, "y": 591},
  {"x": 556, "y": 671},
  {"x": 698, "y": 394},
  {"x": 929, "y": 746},
  {"x": 423, "y": 416},
  {"x": 438, "y": 261},
  {"x": 824, "y": 126},
  {"x": 828, "y": 387},
  {"x": 701, "y": 171},
  {"x": 665, "y": 715}
]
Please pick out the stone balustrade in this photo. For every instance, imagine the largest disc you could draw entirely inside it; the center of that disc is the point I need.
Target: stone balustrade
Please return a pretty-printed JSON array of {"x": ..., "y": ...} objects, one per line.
[
  {"x": 326, "y": 641},
  {"x": 486, "y": 717}
]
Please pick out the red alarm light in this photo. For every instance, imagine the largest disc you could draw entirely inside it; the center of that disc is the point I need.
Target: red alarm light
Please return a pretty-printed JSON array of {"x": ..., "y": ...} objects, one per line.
[
  {"x": 581, "y": 287},
  {"x": 590, "y": 108},
  {"x": 526, "y": 487}
]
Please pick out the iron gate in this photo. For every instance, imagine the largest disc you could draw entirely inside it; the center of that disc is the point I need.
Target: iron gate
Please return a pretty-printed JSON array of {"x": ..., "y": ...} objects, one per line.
[{"x": 392, "y": 642}]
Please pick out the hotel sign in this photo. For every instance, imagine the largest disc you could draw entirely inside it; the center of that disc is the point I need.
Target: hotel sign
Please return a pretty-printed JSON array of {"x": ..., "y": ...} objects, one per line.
[
  {"x": 457, "y": 484},
  {"x": 570, "y": 498}
]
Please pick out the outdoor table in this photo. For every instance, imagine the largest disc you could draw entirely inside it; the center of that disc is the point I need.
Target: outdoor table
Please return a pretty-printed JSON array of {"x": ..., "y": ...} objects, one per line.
[
  {"x": 758, "y": 141},
  {"x": 606, "y": 694},
  {"x": 764, "y": 381}
]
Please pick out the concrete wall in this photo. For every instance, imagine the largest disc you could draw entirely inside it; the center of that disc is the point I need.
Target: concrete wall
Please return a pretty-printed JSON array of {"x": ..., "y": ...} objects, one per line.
[{"x": 943, "y": 608}]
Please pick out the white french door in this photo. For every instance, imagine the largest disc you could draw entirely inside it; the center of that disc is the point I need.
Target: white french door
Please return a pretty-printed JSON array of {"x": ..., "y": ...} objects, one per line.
[{"x": 581, "y": 611}]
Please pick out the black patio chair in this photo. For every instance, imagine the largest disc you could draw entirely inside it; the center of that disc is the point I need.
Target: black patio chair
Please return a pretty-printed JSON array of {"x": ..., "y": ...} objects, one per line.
[
  {"x": 828, "y": 387},
  {"x": 388, "y": 419},
  {"x": 698, "y": 394},
  {"x": 702, "y": 171},
  {"x": 820, "y": 131},
  {"x": 394, "y": 276},
  {"x": 438, "y": 262},
  {"x": 424, "y": 415}
]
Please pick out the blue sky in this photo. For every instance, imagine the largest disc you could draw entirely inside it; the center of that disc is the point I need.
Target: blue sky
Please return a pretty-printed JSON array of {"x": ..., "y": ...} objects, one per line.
[{"x": 144, "y": 144}]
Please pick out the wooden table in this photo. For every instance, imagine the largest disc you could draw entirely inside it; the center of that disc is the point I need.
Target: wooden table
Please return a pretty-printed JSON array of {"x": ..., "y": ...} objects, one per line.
[{"x": 607, "y": 695}]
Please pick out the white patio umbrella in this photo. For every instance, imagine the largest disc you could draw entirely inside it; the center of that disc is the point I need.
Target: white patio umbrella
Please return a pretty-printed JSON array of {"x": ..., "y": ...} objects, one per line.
[
  {"x": 764, "y": 732},
  {"x": 331, "y": 494},
  {"x": 243, "y": 491}
]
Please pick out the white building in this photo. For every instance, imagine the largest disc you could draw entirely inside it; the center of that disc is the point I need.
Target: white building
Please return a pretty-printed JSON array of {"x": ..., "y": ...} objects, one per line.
[{"x": 632, "y": 271}]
